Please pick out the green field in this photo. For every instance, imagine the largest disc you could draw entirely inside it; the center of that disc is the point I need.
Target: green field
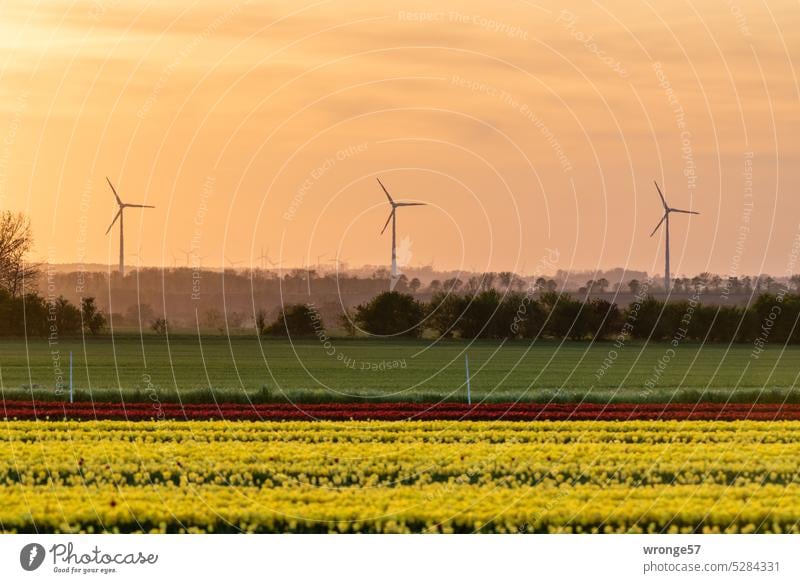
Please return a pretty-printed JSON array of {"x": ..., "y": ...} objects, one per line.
[{"x": 242, "y": 368}]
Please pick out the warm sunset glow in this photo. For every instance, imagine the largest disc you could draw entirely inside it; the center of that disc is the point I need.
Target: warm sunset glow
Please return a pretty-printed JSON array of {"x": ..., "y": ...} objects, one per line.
[{"x": 526, "y": 127}]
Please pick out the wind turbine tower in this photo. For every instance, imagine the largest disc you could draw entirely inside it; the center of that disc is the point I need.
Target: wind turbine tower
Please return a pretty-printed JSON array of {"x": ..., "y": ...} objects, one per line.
[
  {"x": 665, "y": 220},
  {"x": 120, "y": 216},
  {"x": 393, "y": 219}
]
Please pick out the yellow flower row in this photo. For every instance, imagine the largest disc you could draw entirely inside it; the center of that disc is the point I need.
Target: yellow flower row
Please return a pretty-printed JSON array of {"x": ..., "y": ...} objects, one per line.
[{"x": 396, "y": 477}]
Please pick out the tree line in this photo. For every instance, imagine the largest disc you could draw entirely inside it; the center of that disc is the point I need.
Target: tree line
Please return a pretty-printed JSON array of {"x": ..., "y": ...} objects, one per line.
[{"x": 490, "y": 314}]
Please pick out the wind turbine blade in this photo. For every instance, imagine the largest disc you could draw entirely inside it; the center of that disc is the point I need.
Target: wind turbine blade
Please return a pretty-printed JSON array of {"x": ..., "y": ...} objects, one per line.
[
  {"x": 658, "y": 225},
  {"x": 116, "y": 216},
  {"x": 114, "y": 190},
  {"x": 663, "y": 200},
  {"x": 410, "y": 204},
  {"x": 389, "y": 196},
  {"x": 391, "y": 214},
  {"x": 685, "y": 212},
  {"x": 140, "y": 206}
]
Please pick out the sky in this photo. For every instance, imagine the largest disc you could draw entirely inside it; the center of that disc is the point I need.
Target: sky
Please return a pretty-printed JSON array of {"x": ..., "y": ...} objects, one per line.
[{"x": 532, "y": 131}]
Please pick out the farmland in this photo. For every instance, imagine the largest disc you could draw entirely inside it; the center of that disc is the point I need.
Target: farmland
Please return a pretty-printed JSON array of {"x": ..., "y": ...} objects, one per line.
[
  {"x": 398, "y": 411},
  {"x": 228, "y": 435},
  {"x": 243, "y": 369},
  {"x": 431, "y": 476}
]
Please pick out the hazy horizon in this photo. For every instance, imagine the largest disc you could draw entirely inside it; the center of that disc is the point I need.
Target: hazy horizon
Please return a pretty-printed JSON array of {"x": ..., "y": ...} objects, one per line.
[{"x": 573, "y": 277}]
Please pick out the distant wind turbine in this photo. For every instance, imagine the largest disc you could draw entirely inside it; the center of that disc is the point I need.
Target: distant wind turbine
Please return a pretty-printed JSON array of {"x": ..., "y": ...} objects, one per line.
[
  {"x": 339, "y": 263},
  {"x": 187, "y": 254},
  {"x": 199, "y": 258},
  {"x": 263, "y": 258},
  {"x": 665, "y": 219},
  {"x": 233, "y": 263},
  {"x": 119, "y": 215},
  {"x": 193, "y": 258},
  {"x": 138, "y": 257},
  {"x": 393, "y": 219}
]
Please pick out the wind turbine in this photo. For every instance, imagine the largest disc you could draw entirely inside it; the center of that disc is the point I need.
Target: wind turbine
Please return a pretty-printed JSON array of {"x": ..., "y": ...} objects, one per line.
[
  {"x": 186, "y": 253},
  {"x": 199, "y": 265},
  {"x": 119, "y": 215},
  {"x": 338, "y": 263},
  {"x": 234, "y": 264},
  {"x": 393, "y": 219},
  {"x": 193, "y": 258},
  {"x": 263, "y": 258},
  {"x": 138, "y": 257},
  {"x": 665, "y": 219}
]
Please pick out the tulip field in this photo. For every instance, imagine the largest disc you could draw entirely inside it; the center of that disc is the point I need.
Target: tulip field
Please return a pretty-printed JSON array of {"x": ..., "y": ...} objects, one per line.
[
  {"x": 400, "y": 411},
  {"x": 231, "y": 476},
  {"x": 228, "y": 435}
]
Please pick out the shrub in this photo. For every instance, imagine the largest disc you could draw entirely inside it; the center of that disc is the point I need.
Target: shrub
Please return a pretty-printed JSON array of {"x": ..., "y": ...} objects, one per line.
[
  {"x": 295, "y": 320},
  {"x": 159, "y": 326},
  {"x": 93, "y": 319},
  {"x": 565, "y": 316},
  {"x": 443, "y": 313},
  {"x": 603, "y": 319},
  {"x": 391, "y": 314}
]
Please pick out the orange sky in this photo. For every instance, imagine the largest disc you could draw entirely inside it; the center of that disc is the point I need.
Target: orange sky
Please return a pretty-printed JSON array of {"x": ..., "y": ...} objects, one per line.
[{"x": 525, "y": 126}]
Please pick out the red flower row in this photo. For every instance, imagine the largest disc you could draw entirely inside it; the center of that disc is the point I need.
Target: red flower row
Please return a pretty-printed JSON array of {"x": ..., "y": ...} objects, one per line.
[{"x": 399, "y": 411}]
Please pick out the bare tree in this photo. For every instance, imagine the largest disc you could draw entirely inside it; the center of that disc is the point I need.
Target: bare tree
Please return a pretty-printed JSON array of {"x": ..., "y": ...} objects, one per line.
[
  {"x": 453, "y": 284},
  {"x": 159, "y": 326},
  {"x": 487, "y": 280},
  {"x": 261, "y": 322},
  {"x": 346, "y": 321},
  {"x": 16, "y": 241}
]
